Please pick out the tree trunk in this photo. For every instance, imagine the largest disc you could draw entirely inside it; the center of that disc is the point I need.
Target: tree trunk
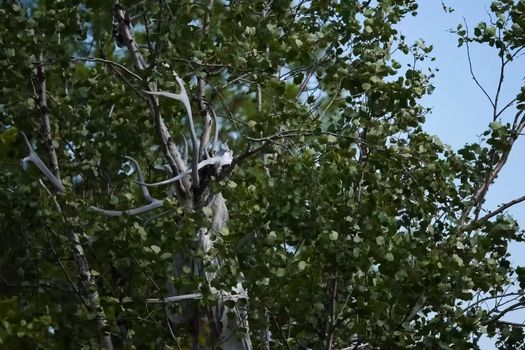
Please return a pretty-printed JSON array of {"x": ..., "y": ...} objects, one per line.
[{"x": 218, "y": 325}]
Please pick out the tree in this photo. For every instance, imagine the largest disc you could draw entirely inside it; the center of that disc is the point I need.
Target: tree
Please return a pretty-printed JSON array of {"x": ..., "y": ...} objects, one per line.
[{"x": 308, "y": 210}]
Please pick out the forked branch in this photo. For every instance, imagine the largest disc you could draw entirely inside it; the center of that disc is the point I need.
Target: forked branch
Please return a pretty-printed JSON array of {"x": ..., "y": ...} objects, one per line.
[{"x": 482, "y": 190}]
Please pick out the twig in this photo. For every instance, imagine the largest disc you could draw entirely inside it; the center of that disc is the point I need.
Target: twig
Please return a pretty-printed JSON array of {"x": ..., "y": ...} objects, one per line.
[
  {"x": 494, "y": 213},
  {"x": 108, "y": 62},
  {"x": 331, "y": 318},
  {"x": 283, "y": 337},
  {"x": 64, "y": 270},
  {"x": 500, "y": 84},
  {"x": 472, "y": 70}
]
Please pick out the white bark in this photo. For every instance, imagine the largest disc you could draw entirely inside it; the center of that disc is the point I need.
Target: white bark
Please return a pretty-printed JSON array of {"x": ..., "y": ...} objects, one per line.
[{"x": 228, "y": 339}]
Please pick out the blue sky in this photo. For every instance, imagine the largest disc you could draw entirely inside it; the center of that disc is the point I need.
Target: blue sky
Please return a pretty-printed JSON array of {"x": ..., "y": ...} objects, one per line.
[{"x": 460, "y": 110}]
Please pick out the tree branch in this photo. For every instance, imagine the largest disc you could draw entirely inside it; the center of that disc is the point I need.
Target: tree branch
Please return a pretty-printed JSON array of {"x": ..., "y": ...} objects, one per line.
[
  {"x": 44, "y": 110},
  {"x": 472, "y": 70},
  {"x": 494, "y": 213},
  {"x": 108, "y": 62},
  {"x": 124, "y": 33},
  {"x": 481, "y": 192},
  {"x": 206, "y": 118}
]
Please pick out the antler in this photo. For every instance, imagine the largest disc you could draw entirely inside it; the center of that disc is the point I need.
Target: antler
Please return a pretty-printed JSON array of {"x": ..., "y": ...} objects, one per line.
[
  {"x": 153, "y": 202},
  {"x": 33, "y": 157},
  {"x": 183, "y": 97},
  {"x": 224, "y": 157}
]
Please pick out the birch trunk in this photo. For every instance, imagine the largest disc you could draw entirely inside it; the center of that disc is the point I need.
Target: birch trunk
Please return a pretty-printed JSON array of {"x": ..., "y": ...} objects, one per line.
[{"x": 219, "y": 325}]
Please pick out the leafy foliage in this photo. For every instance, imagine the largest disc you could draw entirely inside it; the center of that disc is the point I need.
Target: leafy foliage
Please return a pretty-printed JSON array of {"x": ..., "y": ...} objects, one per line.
[{"x": 349, "y": 225}]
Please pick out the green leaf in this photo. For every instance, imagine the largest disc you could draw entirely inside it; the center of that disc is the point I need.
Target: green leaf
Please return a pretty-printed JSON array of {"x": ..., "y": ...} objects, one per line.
[{"x": 333, "y": 235}]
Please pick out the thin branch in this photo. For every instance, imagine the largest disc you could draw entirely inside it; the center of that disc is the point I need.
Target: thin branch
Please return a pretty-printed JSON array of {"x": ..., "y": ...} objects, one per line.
[
  {"x": 175, "y": 299},
  {"x": 513, "y": 307},
  {"x": 481, "y": 192},
  {"x": 494, "y": 213},
  {"x": 339, "y": 88},
  {"x": 305, "y": 81},
  {"x": 281, "y": 333},
  {"x": 206, "y": 117},
  {"x": 482, "y": 300},
  {"x": 145, "y": 191},
  {"x": 108, "y": 62},
  {"x": 331, "y": 318},
  {"x": 166, "y": 314},
  {"x": 472, "y": 70},
  {"x": 509, "y": 323},
  {"x": 131, "y": 212},
  {"x": 70, "y": 280},
  {"x": 511, "y": 102},
  {"x": 500, "y": 84}
]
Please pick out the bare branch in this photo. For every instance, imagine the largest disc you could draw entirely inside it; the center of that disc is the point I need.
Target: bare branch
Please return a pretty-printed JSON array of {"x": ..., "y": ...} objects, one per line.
[
  {"x": 500, "y": 84},
  {"x": 472, "y": 70},
  {"x": 206, "y": 118},
  {"x": 185, "y": 148},
  {"x": 175, "y": 299},
  {"x": 108, "y": 62},
  {"x": 44, "y": 110},
  {"x": 492, "y": 298},
  {"x": 124, "y": 32},
  {"x": 513, "y": 324},
  {"x": 518, "y": 305},
  {"x": 145, "y": 191},
  {"x": 124, "y": 36},
  {"x": 216, "y": 123},
  {"x": 131, "y": 212},
  {"x": 338, "y": 91},
  {"x": 510, "y": 103}
]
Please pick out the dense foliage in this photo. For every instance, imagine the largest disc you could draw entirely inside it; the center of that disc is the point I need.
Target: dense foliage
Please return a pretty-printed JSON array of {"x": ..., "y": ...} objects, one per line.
[{"x": 348, "y": 224}]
